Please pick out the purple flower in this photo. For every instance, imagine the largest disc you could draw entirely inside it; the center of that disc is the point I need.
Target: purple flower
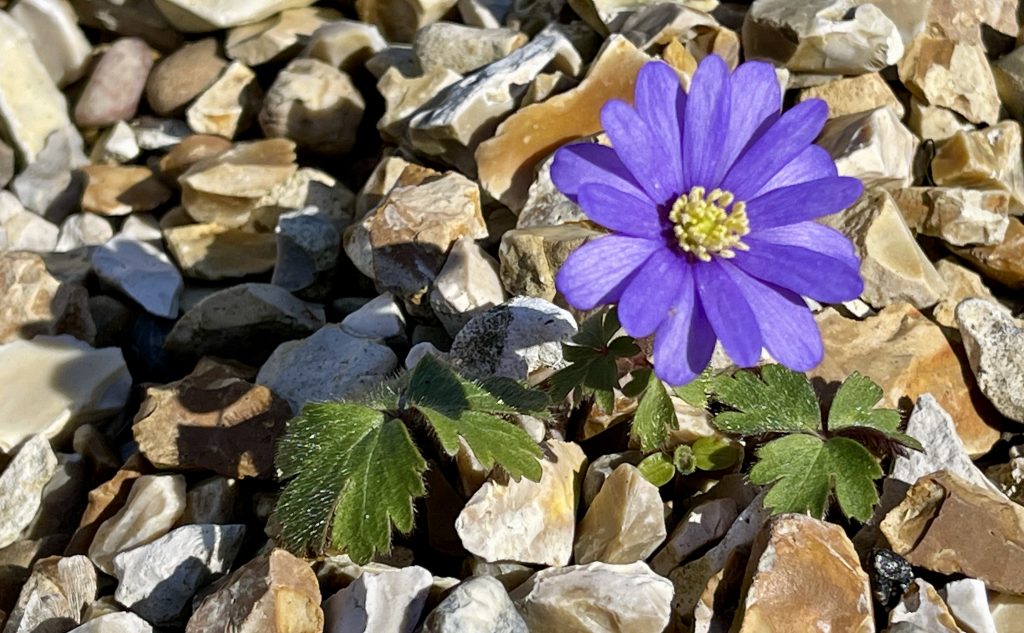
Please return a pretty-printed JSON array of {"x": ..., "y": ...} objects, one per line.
[{"x": 710, "y": 197}]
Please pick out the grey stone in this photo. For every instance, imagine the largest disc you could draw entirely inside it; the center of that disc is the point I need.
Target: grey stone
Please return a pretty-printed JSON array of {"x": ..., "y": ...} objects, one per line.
[
  {"x": 995, "y": 351},
  {"x": 6, "y": 164},
  {"x": 83, "y": 229},
  {"x": 49, "y": 185},
  {"x": 376, "y": 602},
  {"x": 21, "y": 487},
  {"x": 116, "y": 146},
  {"x": 308, "y": 244},
  {"x": 467, "y": 285},
  {"x": 476, "y": 605},
  {"x": 53, "y": 599},
  {"x": 702, "y": 525},
  {"x": 345, "y": 44},
  {"x": 22, "y": 230},
  {"x": 967, "y": 600},
  {"x": 141, "y": 271},
  {"x": 380, "y": 318},
  {"x": 462, "y": 48},
  {"x": 123, "y": 622}
]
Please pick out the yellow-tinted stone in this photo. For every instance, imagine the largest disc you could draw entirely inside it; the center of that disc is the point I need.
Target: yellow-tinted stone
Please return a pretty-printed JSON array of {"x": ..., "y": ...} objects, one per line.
[
  {"x": 849, "y": 95},
  {"x": 952, "y": 74},
  {"x": 531, "y": 257},
  {"x": 984, "y": 159},
  {"x": 1003, "y": 262}
]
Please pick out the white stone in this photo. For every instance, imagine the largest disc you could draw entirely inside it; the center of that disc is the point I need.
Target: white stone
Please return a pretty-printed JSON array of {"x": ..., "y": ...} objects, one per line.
[
  {"x": 200, "y": 16},
  {"x": 467, "y": 285},
  {"x": 31, "y": 106},
  {"x": 703, "y": 524},
  {"x": 123, "y": 622},
  {"x": 873, "y": 146},
  {"x": 923, "y": 607},
  {"x": 153, "y": 506},
  {"x": 329, "y": 365},
  {"x": 379, "y": 318},
  {"x": 47, "y": 186},
  {"x": 52, "y": 384},
  {"x": 53, "y": 27},
  {"x": 158, "y": 580},
  {"x": 526, "y": 521},
  {"x": 545, "y": 204},
  {"x": 21, "y": 487},
  {"x": 514, "y": 339},
  {"x": 476, "y": 605},
  {"x": 967, "y": 600},
  {"x": 229, "y": 105},
  {"x": 595, "y": 598},
  {"x": 83, "y": 229},
  {"x": 345, "y": 44},
  {"x": 625, "y": 523},
  {"x": 116, "y": 146},
  {"x": 153, "y": 134},
  {"x": 278, "y": 37},
  {"x": 22, "y": 230},
  {"x": 995, "y": 350},
  {"x": 404, "y": 96},
  {"x": 55, "y": 596},
  {"x": 388, "y": 601},
  {"x": 142, "y": 227},
  {"x": 141, "y": 271}
]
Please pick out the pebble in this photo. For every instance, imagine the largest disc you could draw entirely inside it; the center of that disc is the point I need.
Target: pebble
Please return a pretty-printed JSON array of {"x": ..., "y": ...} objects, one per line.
[
  {"x": 183, "y": 75},
  {"x": 53, "y": 27},
  {"x": 344, "y": 44},
  {"x": 54, "y": 596},
  {"x": 188, "y": 152},
  {"x": 308, "y": 246},
  {"x": 229, "y": 105},
  {"x": 158, "y": 580},
  {"x": 214, "y": 252},
  {"x": 476, "y": 605},
  {"x": 467, "y": 285},
  {"x": 967, "y": 600},
  {"x": 114, "y": 190},
  {"x": 873, "y": 146},
  {"x": 276, "y": 38},
  {"x": 21, "y": 487},
  {"x": 995, "y": 350},
  {"x": 33, "y": 301},
  {"x": 120, "y": 622},
  {"x": 331, "y": 364},
  {"x": 388, "y": 600},
  {"x": 49, "y": 185},
  {"x": 513, "y": 339},
  {"x": 115, "y": 86},
  {"x": 116, "y": 146},
  {"x": 379, "y": 318},
  {"x": 142, "y": 272},
  {"x": 93, "y": 384},
  {"x": 923, "y": 607},
  {"x": 595, "y": 598},
  {"x": 952, "y": 74},
  {"x": 625, "y": 523}
]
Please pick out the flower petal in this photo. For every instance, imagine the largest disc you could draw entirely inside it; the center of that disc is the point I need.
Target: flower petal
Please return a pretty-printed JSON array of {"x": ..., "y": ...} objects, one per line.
[
  {"x": 779, "y": 145},
  {"x": 646, "y": 301},
  {"x": 814, "y": 163},
  {"x": 806, "y": 201},
  {"x": 755, "y": 96},
  {"x": 620, "y": 211},
  {"x": 706, "y": 128},
  {"x": 684, "y": 341},
  {"x": 636, "y": 144},
  {"x": 807, "y": 272},
  {"x": 595, "y": 273},
  {"x": 582, "y": 163},
  {"x": 812, "y": 236},
  {"x": 786, "y": 324},
  {"x": 727, "y": 311},
  {"x": 660, "y": 100}
]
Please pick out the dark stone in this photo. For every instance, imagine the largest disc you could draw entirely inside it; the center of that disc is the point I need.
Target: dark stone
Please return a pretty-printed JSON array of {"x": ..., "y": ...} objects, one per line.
[{"x": 890, "y": 576}]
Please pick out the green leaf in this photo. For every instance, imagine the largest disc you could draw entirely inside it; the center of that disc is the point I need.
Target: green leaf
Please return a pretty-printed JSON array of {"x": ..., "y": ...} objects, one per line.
[
  {"x": 492, "y": 440},
  {"x": 657, "y": 469},
  {"x": 519, "y": 397},
  {"x": 695, "y": 392},
  {"x": 654, "y": 416},
  {"x": 566, "y": 380},
  {"x": 350, "y": 472},
  {"x": 803, "y": 469},
  {"x": 437, "y": 385},
  {"x": 716, "y": 453},
  {"x": 623, "y": 347},
  {"x": 638, "y": 381},
  {"x": 854, "y": 406},
  {"x": 781, "y": 401},
  {"x": 682, "y": 459}
]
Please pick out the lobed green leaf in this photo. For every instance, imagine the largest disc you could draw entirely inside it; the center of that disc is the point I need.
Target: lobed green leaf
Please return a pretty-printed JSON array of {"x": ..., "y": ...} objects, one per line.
[
  {"x": 780, "y": 401},
  {"x": 654, "y": 415}
]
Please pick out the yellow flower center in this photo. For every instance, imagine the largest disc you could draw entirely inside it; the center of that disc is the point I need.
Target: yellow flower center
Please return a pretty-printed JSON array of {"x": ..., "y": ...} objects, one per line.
[{"x": 705, "y": 225}]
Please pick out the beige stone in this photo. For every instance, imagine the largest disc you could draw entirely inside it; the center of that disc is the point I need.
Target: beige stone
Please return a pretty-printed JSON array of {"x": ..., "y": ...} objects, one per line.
[
  {"x": 506, "y": 162},
  {"x": 804, "y": 575},
  {"x": 398, "y": 20},
  {"x": 955, "y": 75},
  {"x": 184, "y": 75},
  {"x": 55, "y": 596},
  {"x": 546, "y": 85},
  {"x": 893, "y": 266},
  {"x": 306, "y": 188},
  {"x": 957, "y": 19},
  {"x": 404, "y": 96},
  {"x": 961, "y": 284},
  {"x": 935, "y": 123},
  {"x": 829, "y": 37},
  {"x": 873, "y": 146},
  {"x": 625, "y": 523},
  {"x": 211, "y": 251},
  {"x": 526, "y": 521},
  {"x": 850, "y": 95},
  {"x": 907, "y": 355},
  {"x": 923, "y": 607},
  {"x": 53, "y": 27},
  {"x": 530, "y": 257},
  {"x": 950, "y": 526},
  {"x": 120, "y": 190},
  {"x": 277, "y": 37},
  {"x": 229, "y": 105},
  {"x": 188, "y": 152},
  {"x": 200, "y": 16},
  {"x": 345, "y": 44},
  {"x": 33, "y": 301},
  {"x": 462, "y": 48},
  {"x": 984, "y": 159},
  {"x": 1007, "y": 610},
  {"x": 1008, "y": 72},
  {"x": 545, "y": 205},
  {"x": 391, "y": 171},
  {"x": 1003, "y": 263},
  {"x": 21, "y": 229},
  {"x": 22, "y": 487},
  {"x": 467, "y": 285},
  {"x": 959, "y": 216}
]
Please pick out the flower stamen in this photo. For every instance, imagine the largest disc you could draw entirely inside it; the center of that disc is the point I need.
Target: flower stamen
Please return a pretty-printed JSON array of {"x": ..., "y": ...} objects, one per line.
[{"x": 706, "y": 226}]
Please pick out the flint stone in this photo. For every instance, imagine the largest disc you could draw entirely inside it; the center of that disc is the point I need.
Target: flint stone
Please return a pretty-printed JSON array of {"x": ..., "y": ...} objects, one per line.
[
  {"x": 967, "y": 600},
  {"x": 154, "y": 505},
  {"x": 467, "y": 285},
  {"x": 923, "y": 608},
  {"x": 545, "y": 205},
  {"x": 308, "y": 244},
  {"x": 995, "y": 350},
  {"x": 404, "y": 96},
  {"x": 229, "y": 105},
  {"x": 831, "y": 37},
  {"x": 188, "y": 152},
  {"x": 526, "y": 521},
  {"x": 329, "y": 365},
  {"x": 213, "y": 252},
  {"x": 184, "y": 75},
  {"x": 959, "y": 216},
  {"x": 514, "y": 339},
  {"x": 595, "y": 598},
  {"x": 344, "y": 44},
  {"x": 962, "y": 284},
  {"x": 33, "y": 301},
  {"x": 152, "y": 133},
  {"x": 984, "y": 159},
  {"x": 63, "y": 498},
  {"x": 157, "y": 581},
  {"x": 31, "y": 106},
  {"x": 115, "y": 87},
  {"x": 707, "y": 522},
  {"x": 21, "y": 487},
  {"x": 278, "y": 37},
  {"x": 212, "y": 500},
  {"x": 462, "y": 48},
  {"x": 873, "y": 146},
  {"x": 273, "y": 592},
  {"x": 246, "y": 322},
  {"x": 52, "y": 384},
  {"x": 120, "y": 190},
  {"x": 141, "y": 271},
  {"x": 931, "y": 528},
  {"x": 106, "y": 500},
  {"x": 49, "y": 185},
  {"x": 201, "y": 16},
  {"x": 1008, "y": 72},
  {"x": 388, "y": 600},
  {"x": 379, "y": 318},
  {"x": 625, "y": 523},
  {"x": 307, "y": 188},
  {"x": 476, "y": 605},
  {"x": 141, "y": 227},
  {"x": 120, "y": 622},
  {"x": 955, "y": 75},
  {"x": 53, "y": 599}
]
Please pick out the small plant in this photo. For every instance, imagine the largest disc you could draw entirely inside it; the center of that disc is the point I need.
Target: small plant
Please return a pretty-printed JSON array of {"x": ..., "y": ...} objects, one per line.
[{"x": 352, "y": 470}]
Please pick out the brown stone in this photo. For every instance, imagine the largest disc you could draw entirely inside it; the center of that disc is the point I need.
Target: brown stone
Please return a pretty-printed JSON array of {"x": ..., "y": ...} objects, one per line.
[
  {"x": 907, "y": 355},
  {"x": 952, "y": 74},
  {"x": 184, "y": 75},
  {"x": 850, "y": 95},
  {"x": 399, "y": 21},
  {"x": 274, "y": 592},
  {"x": 984, "y": 159},
  {"x": 934, "y": 123},
  {"x": 961, "y": 284},
  {"x": 950, "y": 526},
  {"x": 1003, "y": 262},
  {"x": 32, "y": 301},
  {"x": 211, "y": 420},
  {"x": 211, "y": 251},
  {"x": 804, "y": 575},
  {"x": 506, "y": 162},
  {"x": 188, "y": 152},
  {"x": 118, "y": 190}
]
